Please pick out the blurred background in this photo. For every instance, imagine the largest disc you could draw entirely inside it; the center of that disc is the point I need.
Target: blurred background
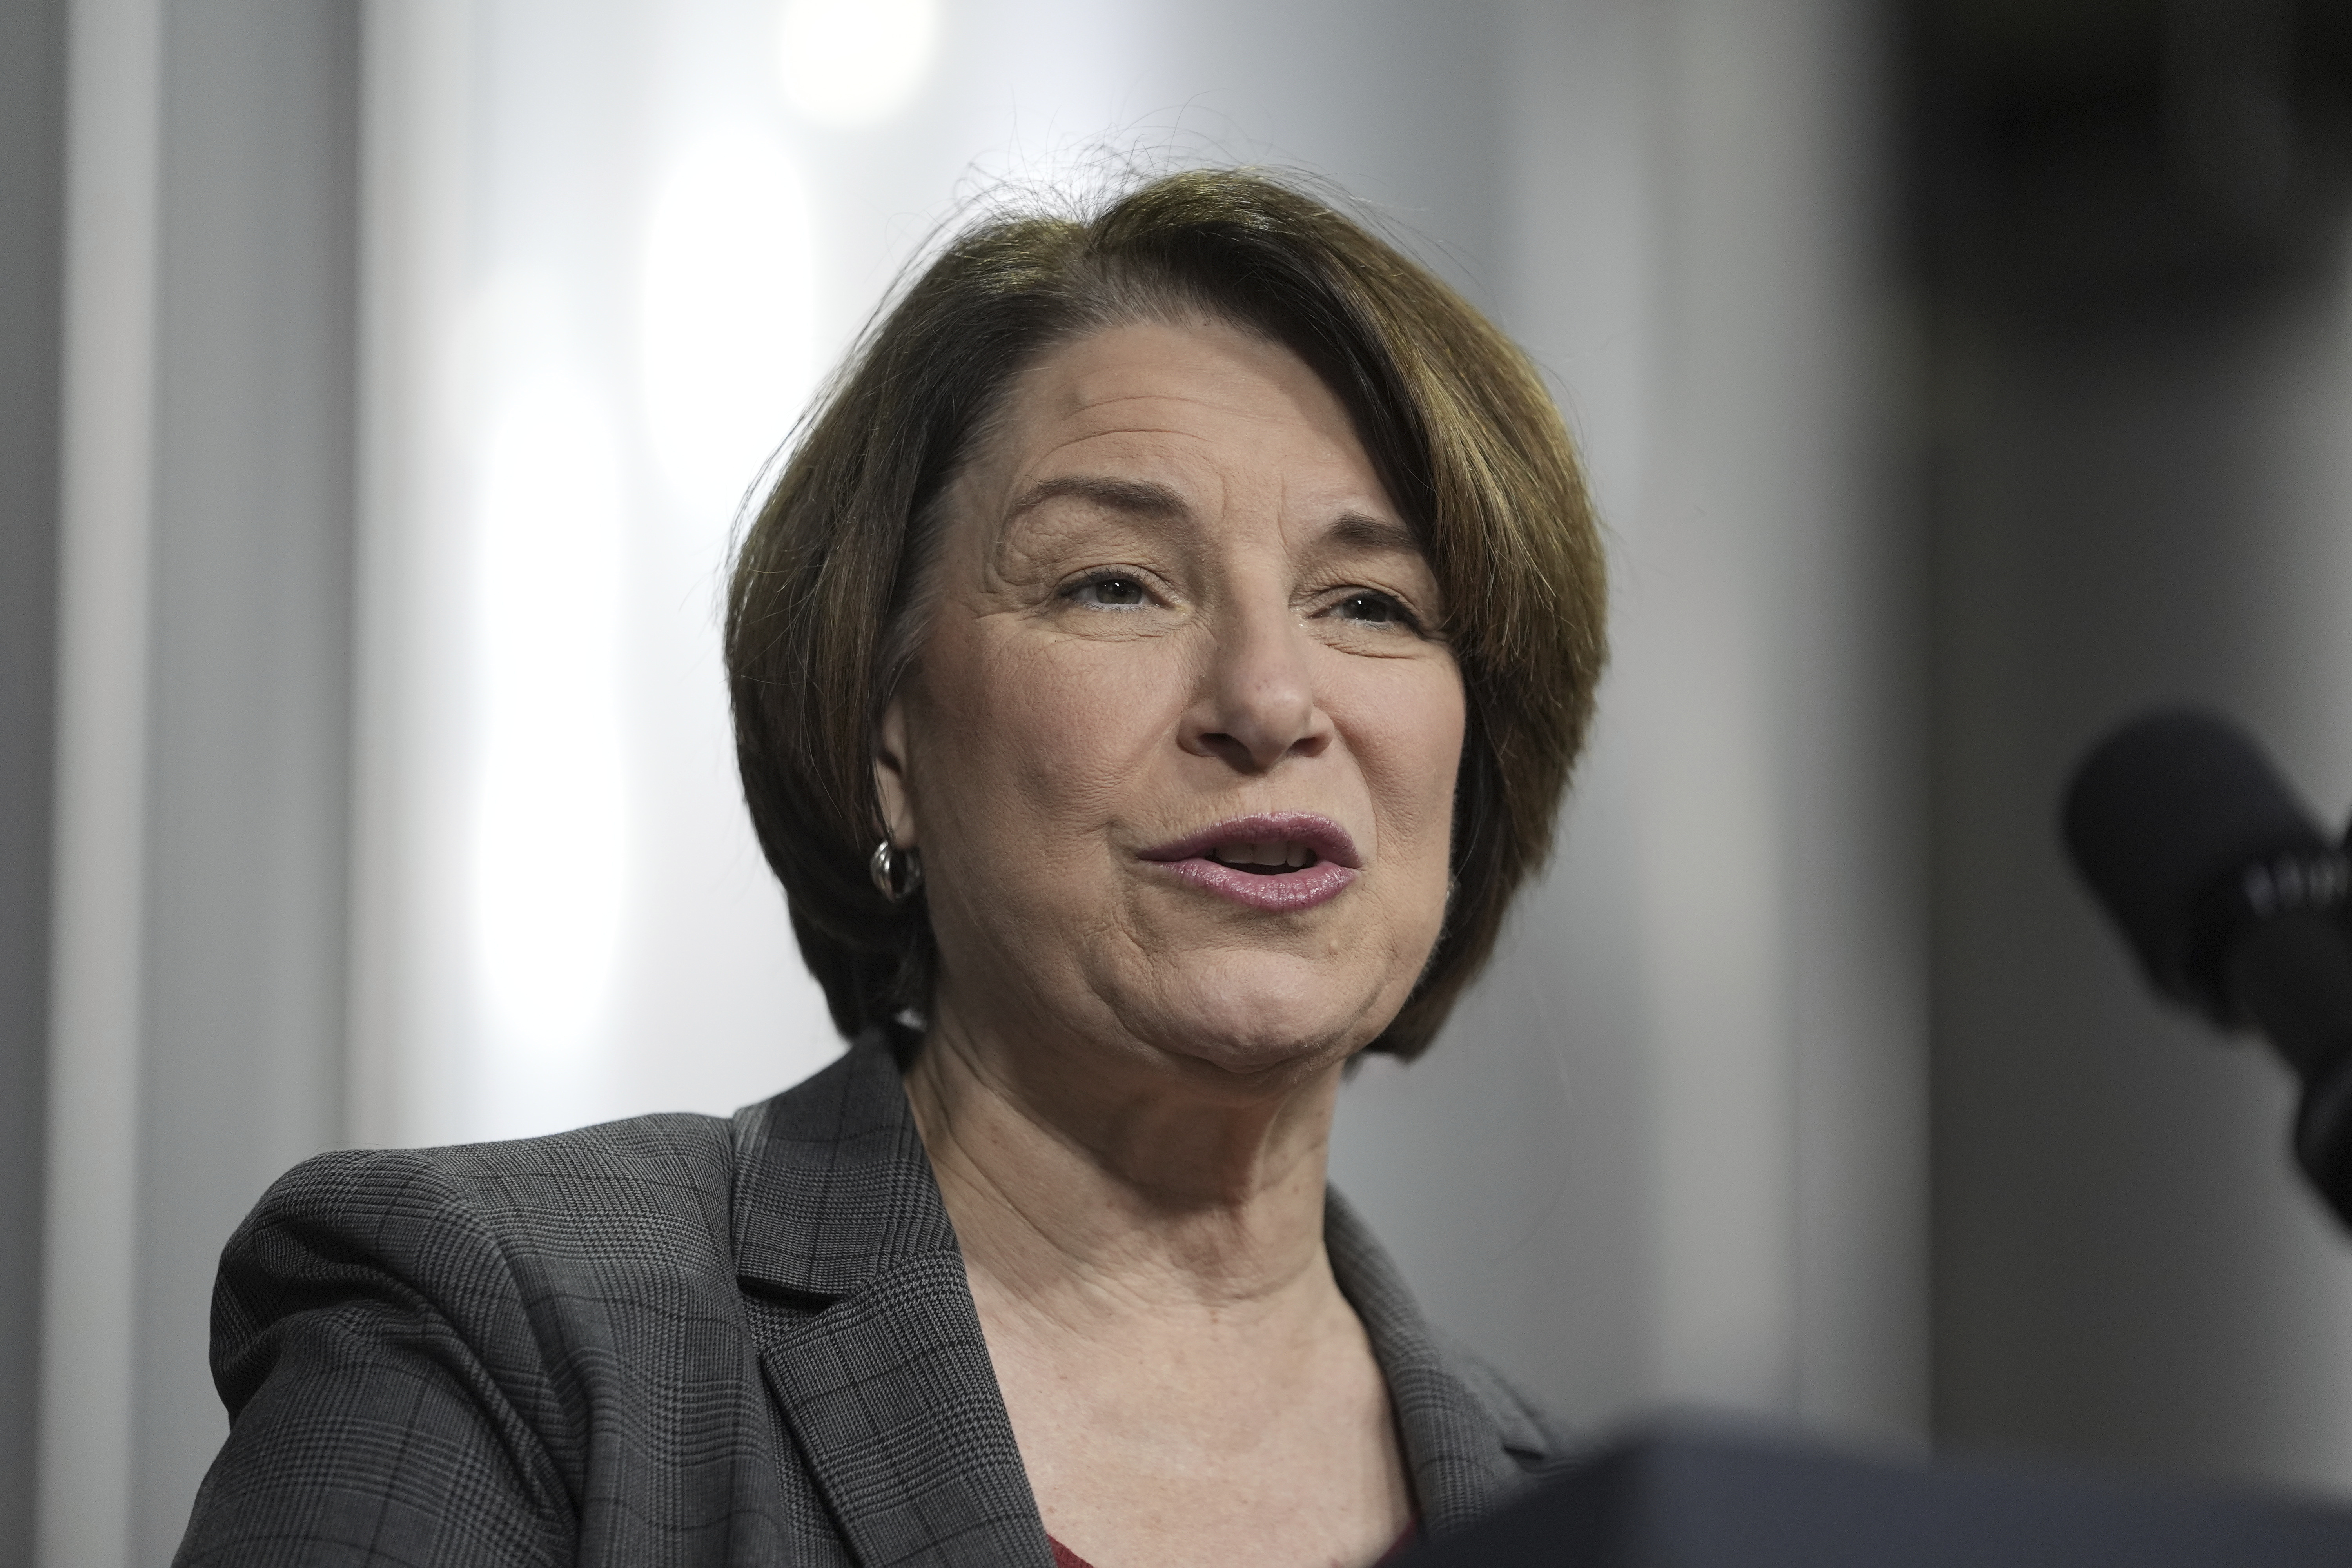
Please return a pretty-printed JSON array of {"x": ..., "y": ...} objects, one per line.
[{"x": 378, "y": 384}]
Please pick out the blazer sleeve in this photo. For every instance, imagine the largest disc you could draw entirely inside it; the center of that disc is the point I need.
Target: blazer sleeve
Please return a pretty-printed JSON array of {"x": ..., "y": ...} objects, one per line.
[{"x": 389, "y": 1402}]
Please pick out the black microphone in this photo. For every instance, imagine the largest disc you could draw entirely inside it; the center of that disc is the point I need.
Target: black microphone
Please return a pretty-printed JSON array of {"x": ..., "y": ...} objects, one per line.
[{"x": 2234, "y": 900}]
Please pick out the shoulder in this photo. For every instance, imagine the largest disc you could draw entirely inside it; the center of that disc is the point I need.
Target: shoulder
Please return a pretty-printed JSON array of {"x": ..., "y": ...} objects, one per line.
[
  {"x": 498, "y": 1352},
  {"x": 498, "y": 1240},
  {"x": 643, "y": 1167},
  {"x": 587, "y": 1192}
]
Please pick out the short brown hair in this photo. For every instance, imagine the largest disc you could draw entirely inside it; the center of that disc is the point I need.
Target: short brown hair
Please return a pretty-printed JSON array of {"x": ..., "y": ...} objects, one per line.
[{"x": 823, "y": 601}]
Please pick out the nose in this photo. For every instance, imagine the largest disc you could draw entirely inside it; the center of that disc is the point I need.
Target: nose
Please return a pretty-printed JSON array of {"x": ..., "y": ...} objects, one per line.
[{"x": 1256, "y": 704}]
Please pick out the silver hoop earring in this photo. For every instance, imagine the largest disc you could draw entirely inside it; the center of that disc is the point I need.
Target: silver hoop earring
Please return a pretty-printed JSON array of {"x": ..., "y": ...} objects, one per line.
[{"x": 897, "y": 872}]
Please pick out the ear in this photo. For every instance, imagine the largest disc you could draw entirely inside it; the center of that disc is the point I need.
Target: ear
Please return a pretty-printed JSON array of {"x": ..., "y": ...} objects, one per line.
[{"x": 891, "y": 775}]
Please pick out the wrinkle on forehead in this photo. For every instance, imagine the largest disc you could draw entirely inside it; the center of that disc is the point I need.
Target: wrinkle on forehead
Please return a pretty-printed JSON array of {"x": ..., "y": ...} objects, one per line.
[
  {"x": 1239, "y": 372},
  {"x": 1135, "y": 382}
]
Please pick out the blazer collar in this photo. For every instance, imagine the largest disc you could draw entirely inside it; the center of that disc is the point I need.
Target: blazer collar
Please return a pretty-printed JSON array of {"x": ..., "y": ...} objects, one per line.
[
  {"x": 832, "y": 1182},
  {"x": 869, "y": 1340},
  {"x": 1467, "y": 1443},
  {"x": 881, "y": 1368}
]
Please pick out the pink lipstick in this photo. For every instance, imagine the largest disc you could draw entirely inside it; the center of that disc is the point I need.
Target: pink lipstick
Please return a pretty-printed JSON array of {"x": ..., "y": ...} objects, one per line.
[{"x": 1278, "y": 861}]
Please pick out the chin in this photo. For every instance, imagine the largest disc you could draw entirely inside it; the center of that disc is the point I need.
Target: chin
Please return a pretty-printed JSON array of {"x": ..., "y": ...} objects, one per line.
[{"x": 1257, "y": 1024}]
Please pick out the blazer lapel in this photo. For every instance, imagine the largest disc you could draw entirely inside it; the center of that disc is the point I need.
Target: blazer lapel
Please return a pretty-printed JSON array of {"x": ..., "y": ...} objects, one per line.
[
  {"x": 871, "y": 1344},
  {"x": 868, "y": 1339},
  {"x": 1458, "y": 1448}
]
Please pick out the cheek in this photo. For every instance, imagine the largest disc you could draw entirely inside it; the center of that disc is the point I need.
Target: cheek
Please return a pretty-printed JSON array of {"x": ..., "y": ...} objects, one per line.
[
  {"x": 1407, "y": 736},
  {"x": 1032, "y": 739}
]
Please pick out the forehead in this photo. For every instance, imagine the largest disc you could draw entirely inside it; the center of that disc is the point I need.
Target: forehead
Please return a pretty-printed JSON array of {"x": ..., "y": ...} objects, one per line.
[{"x": 1176, "y": 395}]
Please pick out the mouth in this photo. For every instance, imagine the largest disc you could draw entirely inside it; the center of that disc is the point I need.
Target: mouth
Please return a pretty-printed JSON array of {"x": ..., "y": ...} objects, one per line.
[{"x": 1278, "y": 861}]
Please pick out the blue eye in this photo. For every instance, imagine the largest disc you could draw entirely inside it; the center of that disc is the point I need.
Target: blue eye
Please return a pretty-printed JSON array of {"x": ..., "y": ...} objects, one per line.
[{"x": 1109, "y": 591}]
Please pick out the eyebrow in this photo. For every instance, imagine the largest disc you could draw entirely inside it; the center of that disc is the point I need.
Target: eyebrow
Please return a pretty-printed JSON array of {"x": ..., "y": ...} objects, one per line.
[
  {"x": 1143, "y": 498},
  {"x": 1366, "y": 532},
  {"x": 1137, "y": 498}
]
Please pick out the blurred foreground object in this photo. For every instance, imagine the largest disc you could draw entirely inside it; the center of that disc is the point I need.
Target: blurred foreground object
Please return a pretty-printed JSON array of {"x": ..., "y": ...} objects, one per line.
[
  {"x": 1701, "y": 1498},
  {"x": 2233, "y": 899}
]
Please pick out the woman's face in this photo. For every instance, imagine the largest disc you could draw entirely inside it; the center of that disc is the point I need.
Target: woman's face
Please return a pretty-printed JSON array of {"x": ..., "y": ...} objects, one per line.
[{"x": 1179, "y": 749}]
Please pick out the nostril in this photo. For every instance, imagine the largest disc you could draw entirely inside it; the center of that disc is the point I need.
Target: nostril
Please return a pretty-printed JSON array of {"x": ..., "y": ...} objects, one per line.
[{"x": 1242, "y": 754}]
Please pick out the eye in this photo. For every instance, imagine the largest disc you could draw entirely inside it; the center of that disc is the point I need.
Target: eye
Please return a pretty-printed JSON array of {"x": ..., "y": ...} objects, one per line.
[
  {"x": 1368, "y": 608},
  {"x": 1110, "y": 591}
]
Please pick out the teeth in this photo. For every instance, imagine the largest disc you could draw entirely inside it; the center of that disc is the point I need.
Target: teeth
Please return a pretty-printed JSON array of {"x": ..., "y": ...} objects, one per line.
[{"x": 1269, "y": 853}]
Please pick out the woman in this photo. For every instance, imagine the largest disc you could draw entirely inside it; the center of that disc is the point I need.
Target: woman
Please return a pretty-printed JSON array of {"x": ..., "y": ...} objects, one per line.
[{"x": 1155, "y": 670}]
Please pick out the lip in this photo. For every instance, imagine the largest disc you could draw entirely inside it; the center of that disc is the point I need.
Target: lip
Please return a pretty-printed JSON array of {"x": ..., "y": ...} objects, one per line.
[{"x": 1335, "y": 865}]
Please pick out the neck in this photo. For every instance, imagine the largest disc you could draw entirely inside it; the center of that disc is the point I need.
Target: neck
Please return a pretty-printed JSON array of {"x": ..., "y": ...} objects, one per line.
[{"x": 1086, "y": 1180}]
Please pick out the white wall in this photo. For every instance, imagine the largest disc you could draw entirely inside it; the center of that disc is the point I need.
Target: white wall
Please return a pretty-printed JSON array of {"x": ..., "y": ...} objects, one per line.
[
  {"x": 32, "y": 257},
  {"x": 197, "y": 988}
]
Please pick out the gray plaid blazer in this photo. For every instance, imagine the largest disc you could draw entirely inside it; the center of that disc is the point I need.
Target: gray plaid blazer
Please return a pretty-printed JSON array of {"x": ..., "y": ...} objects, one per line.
[{"x": 679, "y": 1340}]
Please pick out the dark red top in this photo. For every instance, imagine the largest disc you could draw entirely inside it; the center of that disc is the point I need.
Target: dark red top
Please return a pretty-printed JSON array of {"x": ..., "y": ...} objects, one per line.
[{"x": 1066, "y": 1558}]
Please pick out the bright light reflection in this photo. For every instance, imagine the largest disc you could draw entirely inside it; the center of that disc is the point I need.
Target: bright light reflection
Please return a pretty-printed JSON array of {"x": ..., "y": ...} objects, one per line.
[
  {"x": 854, "y": 62},
  {"x": 548, "y": 854},
  {"x": 726, "y": 317}
]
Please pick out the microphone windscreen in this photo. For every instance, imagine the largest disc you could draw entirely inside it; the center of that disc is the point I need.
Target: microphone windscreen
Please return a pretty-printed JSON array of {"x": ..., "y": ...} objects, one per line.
[{"x": 2158, "y": 815}]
